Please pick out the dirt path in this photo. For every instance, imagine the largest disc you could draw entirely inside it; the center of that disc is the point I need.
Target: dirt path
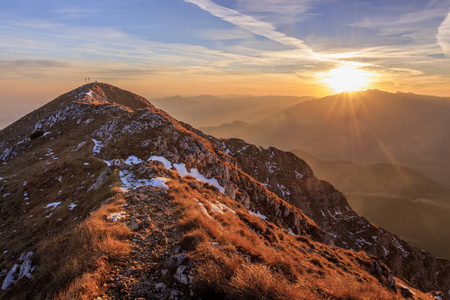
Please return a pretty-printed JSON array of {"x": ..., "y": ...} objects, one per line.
[{"x": 156, "y": 267}]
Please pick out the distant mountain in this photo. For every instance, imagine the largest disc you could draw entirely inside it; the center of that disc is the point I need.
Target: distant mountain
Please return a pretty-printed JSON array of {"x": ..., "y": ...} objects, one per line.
[
  {"x": 105, "y": 196},
  {"x": 393, "y": 197},
  {"x": 213, "y": 111},
  {"x": 365, "y": 127}
]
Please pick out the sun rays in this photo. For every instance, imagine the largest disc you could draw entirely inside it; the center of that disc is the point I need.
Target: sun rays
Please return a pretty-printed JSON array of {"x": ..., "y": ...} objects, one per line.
[{"x": 347, "y": 78}]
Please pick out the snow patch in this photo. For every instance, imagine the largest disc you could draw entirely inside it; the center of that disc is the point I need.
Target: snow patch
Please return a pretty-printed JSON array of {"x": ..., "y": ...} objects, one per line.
[
  {"x": 132, "y": 160},
  {"x": 271, "y": 166},
  {"x": 284, "y": 190},
  {"x": 290, "y": 231},
  {"x": 167, "y": 164},
  {"x": 97, "y": 147},
  {"x": 220, "y": 208},
  {"x": 181, "y": 168},
  {"x": 400, "y": 247},
  {"x": 19, "y": 271},
  {"x": 116, "y": 216},
  {"x": 362, "y": 242},
  {"x": 334, "y": 235},
  {"x": 130, "y": 182},
  {"x": 53, "y": 205},
  {"x": 72, "y": 206},
  {"x": 80, "y": 145},
  {"x": 258, "y": 214},
  {"x": 202, "y": 208},
  {"x": 160, "y": 182}
]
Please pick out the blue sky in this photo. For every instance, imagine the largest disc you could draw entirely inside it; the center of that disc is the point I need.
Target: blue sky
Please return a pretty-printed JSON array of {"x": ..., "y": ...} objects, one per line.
[{"x": 162, "y": 48}]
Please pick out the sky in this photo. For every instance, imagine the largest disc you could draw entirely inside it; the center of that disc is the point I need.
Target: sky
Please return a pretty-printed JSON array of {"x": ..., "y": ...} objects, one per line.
[{"x": 245, "y": 47}]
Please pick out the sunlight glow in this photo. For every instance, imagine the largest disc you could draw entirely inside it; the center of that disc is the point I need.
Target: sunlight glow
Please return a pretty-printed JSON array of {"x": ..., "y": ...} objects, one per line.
[{"x": 347, "y": 78}]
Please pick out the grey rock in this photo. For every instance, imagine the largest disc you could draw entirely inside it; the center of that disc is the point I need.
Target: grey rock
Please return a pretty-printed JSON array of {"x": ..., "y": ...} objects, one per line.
[{"x": 134, "y": 225}]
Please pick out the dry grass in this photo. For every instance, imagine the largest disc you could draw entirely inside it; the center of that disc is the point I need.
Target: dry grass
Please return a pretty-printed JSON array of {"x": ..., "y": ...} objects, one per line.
[
  {"x": 76, "y": 263},
  {"x": 93, "y": 247},
  {"x": 73, "y": 262},
  {"x": 72, "y": 246},
  {"x": 240, "y": 257}
]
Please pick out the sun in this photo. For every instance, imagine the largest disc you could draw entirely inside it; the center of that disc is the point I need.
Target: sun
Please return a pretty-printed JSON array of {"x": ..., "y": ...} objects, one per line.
[{"x": 346, "y": 78}]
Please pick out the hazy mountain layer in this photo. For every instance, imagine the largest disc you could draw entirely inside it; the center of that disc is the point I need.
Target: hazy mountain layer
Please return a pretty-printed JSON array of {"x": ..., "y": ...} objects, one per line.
[
  {"x": 214, "y": 111},
  {"x": 364, "y": 127},
  {"x": 393, "y": 197}
]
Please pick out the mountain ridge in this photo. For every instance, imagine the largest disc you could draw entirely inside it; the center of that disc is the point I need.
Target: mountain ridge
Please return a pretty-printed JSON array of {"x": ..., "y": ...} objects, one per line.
[{"x": 98, "y": 152}]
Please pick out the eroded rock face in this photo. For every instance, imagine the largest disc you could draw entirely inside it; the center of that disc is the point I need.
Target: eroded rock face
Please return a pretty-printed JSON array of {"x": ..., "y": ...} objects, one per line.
[{"x": 127, "y": 137}]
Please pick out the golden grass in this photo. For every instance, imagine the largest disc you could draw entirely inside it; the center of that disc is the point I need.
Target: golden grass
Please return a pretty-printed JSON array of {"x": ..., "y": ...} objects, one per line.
[
  {"x": 242, "y": 264},
  {"x": 79, "y": 263}
]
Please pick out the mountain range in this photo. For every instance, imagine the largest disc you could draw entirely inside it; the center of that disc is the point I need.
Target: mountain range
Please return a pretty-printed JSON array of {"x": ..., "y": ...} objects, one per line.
[
  {"x": 104, "y": 196},
  {"x": 396, "y": 198},
  {"x": 209, "y": 110},
  {"x": 364, "y": 127}
]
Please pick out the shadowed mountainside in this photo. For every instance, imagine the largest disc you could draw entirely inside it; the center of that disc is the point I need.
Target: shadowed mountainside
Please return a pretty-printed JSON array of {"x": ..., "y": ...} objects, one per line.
[{"x": 393, "y": 197}]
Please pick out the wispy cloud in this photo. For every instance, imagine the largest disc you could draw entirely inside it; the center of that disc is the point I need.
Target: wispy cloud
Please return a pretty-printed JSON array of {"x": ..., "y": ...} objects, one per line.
[
  {"x": 253, "y": 25},
  {"x": 31, "y": 63},
  {"x": 31, "y": 68},
  {"x": 106, "y": 50},
  {"x": 443, "y": 36},
  {"x": 279, "y": 11},
  {"x": 75, "y": 10},
  {"x": 225, "y": 34},
  {"x": 419, "y": 26}
]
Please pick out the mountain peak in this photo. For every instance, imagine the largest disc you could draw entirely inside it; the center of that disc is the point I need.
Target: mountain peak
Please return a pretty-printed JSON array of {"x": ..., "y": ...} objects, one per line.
[
  {"x": 76, "y": 105},
  {"x": 101, "y": 93}
]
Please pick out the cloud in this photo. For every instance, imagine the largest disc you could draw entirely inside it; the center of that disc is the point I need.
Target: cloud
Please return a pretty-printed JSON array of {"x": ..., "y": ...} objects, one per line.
[
  {"x": 75, "y": 10},
  {"x": 39, "y": 38},
  {"x": 278, "y": 11},
  {"x": 419, "y": 26},
  {"x": 31, "y": 64},
  {"x": 443, "y": 36},
  {"x": 253, "y": 25},
  {"x": 29, "y": 68},
  {"x": 225, "y": 34},
  {"x": 121, "y": 73}
]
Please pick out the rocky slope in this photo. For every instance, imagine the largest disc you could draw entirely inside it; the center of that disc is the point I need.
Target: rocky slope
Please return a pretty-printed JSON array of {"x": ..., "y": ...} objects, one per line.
[
  {"x": 76, "y": 170},
  {"x": 280, "y": 172}
]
